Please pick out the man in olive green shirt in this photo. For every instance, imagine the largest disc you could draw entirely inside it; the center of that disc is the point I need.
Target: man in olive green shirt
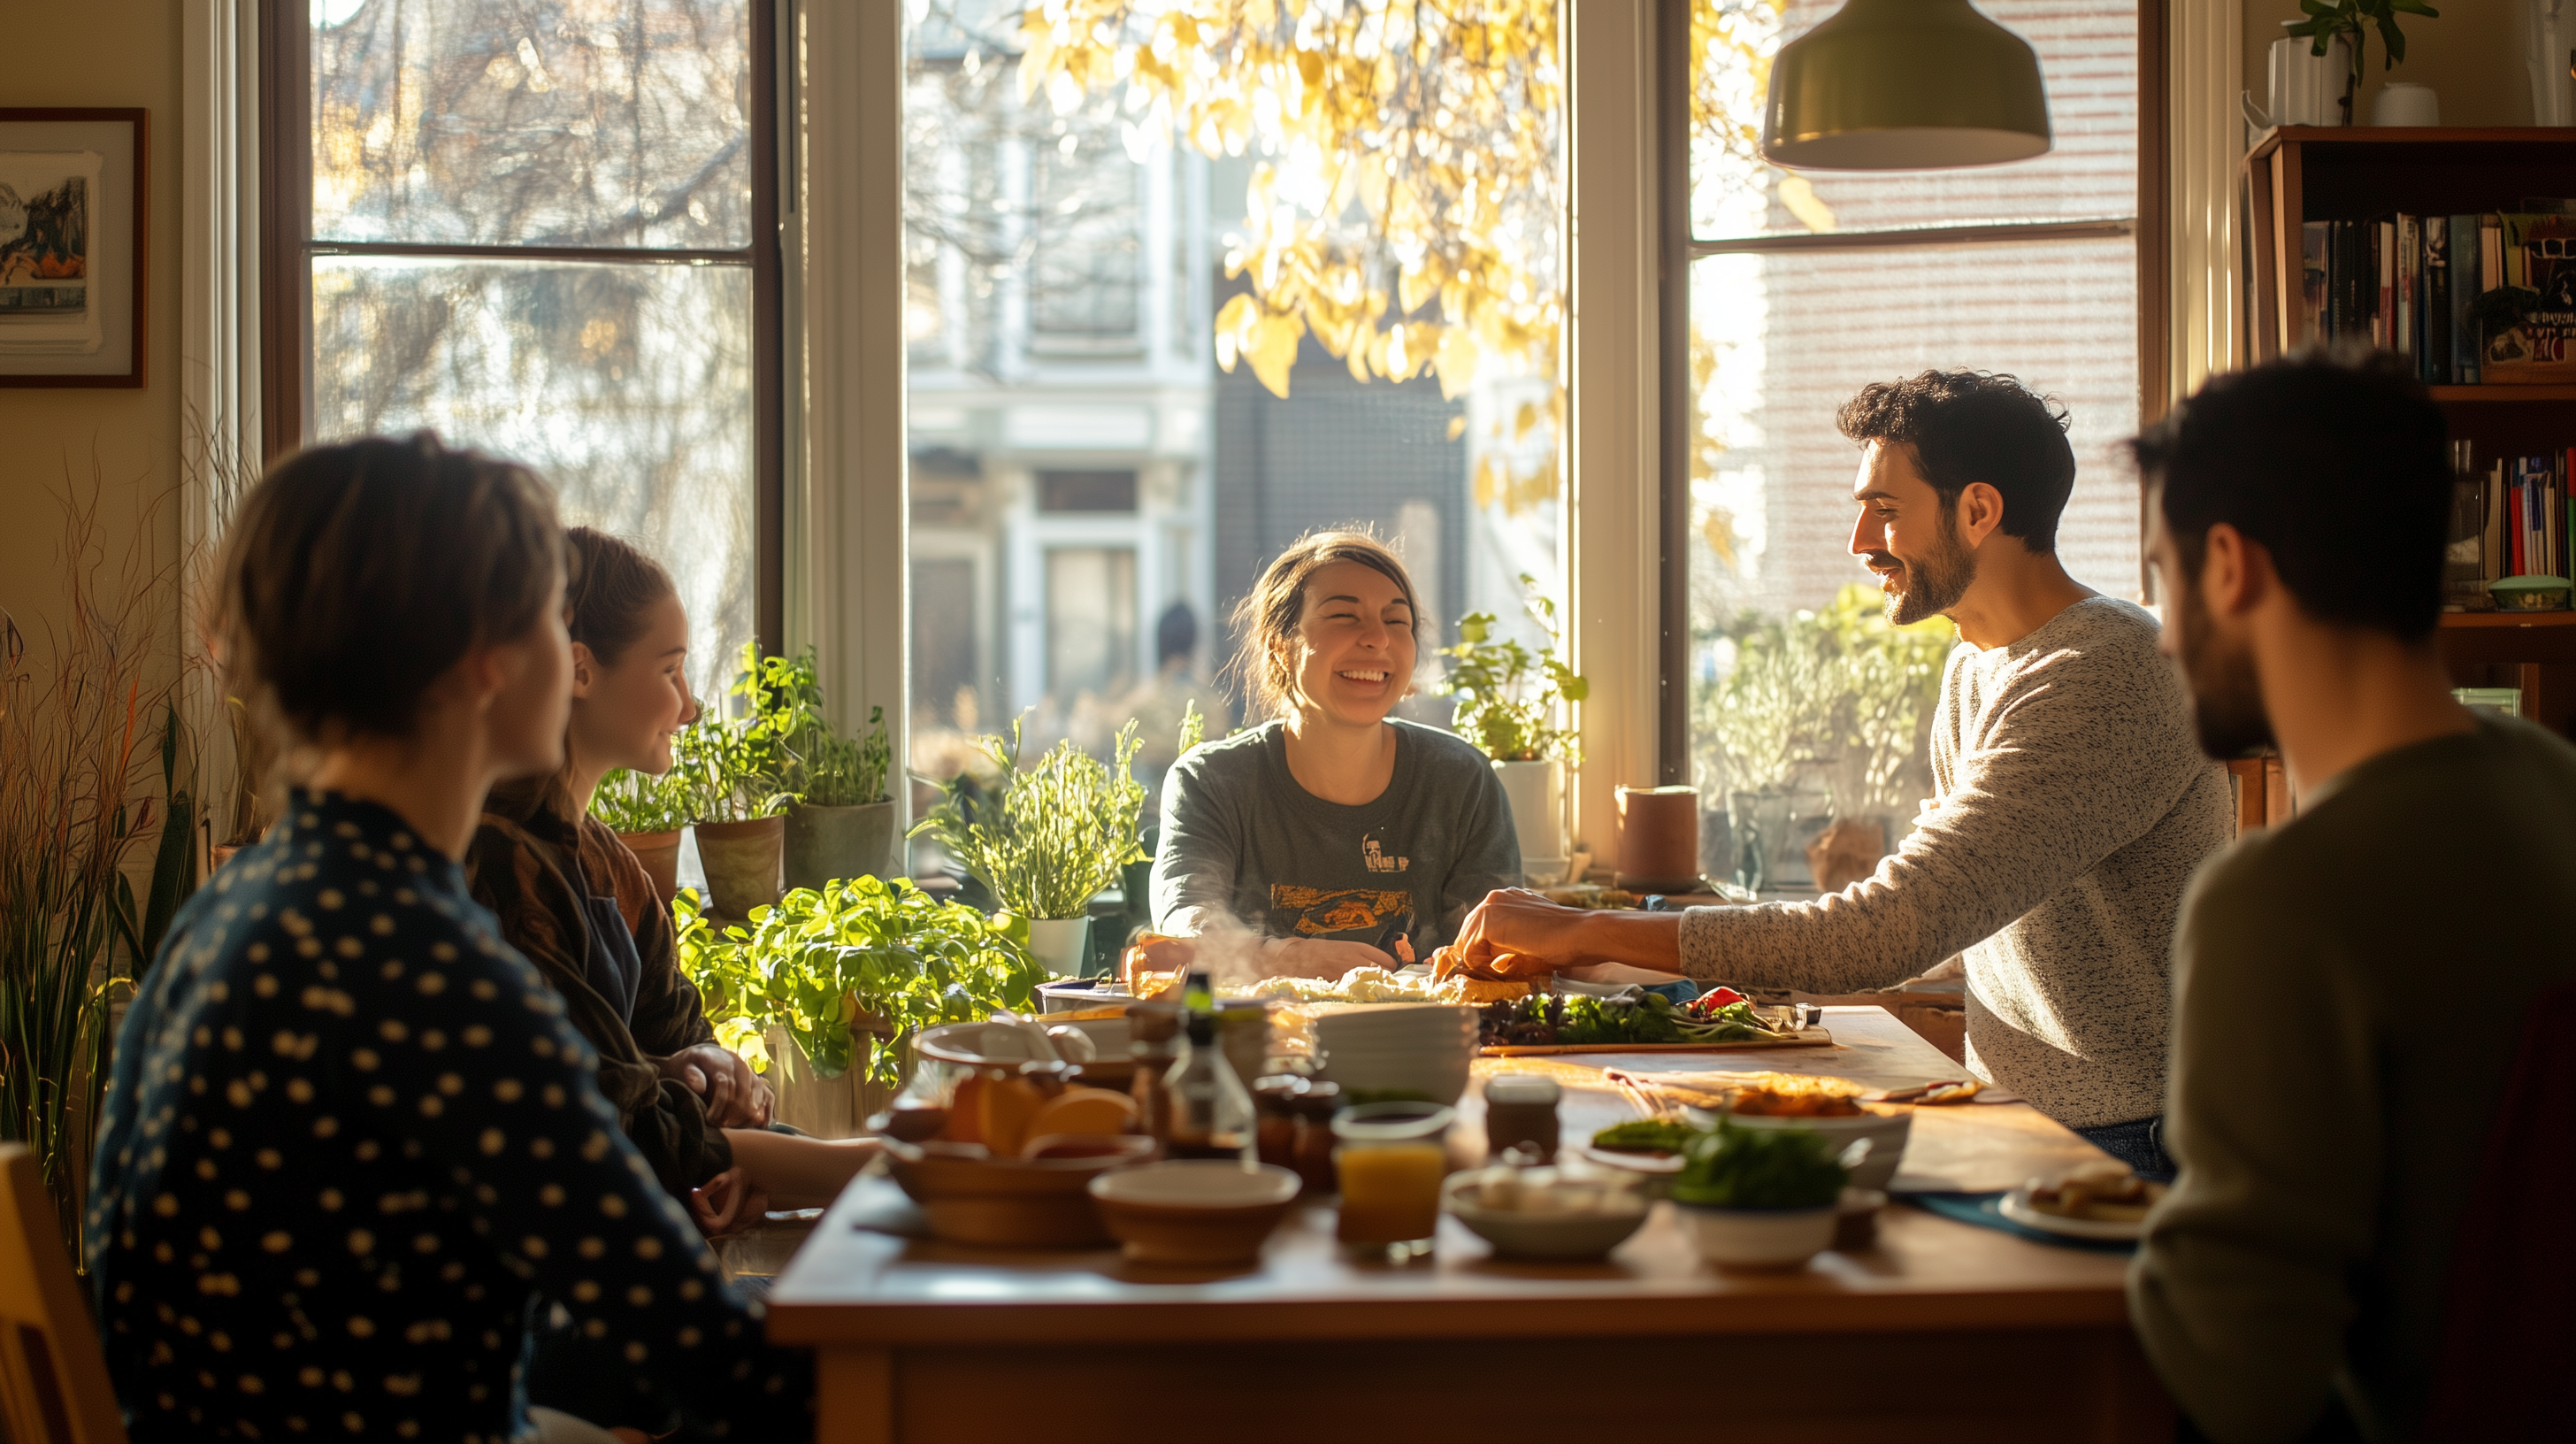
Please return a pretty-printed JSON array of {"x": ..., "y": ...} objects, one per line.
[{"x": 2349, "y": 986}]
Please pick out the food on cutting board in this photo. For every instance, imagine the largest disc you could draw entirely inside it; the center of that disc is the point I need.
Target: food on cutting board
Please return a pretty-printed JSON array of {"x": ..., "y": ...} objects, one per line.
[
  {"x": 1644, "y": 1135},
  {"x": 2103, "y": 1192},
  {"x": 1803, "y": 1103},
  {"x": 1942, "y": 1094},
  {"x": 1643, "y": 1017}
]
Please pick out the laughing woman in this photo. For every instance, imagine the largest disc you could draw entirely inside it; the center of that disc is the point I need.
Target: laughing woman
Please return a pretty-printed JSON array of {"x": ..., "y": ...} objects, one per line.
[
  {"x": 1344, "y": 837},
  {"x": 349, "y": 1127}
]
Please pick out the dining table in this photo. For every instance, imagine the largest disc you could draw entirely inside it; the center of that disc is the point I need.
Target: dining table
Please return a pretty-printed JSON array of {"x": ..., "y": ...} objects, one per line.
[{"x": 1933, "y": 1330}]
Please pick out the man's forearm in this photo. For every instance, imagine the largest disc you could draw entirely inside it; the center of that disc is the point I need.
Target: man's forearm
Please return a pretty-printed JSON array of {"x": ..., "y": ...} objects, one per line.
[{"x": 1645, "y": 940}]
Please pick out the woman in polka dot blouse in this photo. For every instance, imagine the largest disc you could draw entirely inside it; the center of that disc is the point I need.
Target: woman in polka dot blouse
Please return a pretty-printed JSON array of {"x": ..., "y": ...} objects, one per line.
[{"x": 349, "y": 1128}]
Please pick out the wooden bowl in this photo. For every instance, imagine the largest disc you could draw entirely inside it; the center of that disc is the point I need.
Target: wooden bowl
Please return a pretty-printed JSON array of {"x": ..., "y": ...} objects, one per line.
[
  {"x": 1197, "y": 1212},
  {"x": 972, "y": 1197}
]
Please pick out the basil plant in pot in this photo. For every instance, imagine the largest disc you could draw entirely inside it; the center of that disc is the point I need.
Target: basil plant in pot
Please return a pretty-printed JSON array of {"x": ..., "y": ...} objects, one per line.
[
  {"x": 732, "y": 769},
  {"x": 649, "y": 814},
  {"x": 1510, "y": 702},
  {"x": 1046, "y": 840},
  {"x": 832, "y": 984},
  {"x": 842, "y": 822}
]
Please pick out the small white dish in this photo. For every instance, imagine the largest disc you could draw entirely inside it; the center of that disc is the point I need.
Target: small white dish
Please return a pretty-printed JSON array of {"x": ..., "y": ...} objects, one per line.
[
  {"x": 1759, "y": 1239},
  {"x": 1656, "y": 1163},
  {"x": 2016, "y": 1206}
]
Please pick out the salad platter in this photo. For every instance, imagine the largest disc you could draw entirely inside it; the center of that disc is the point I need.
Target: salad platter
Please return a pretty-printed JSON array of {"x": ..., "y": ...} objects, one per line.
[{"x": 1716, "y": 1021}]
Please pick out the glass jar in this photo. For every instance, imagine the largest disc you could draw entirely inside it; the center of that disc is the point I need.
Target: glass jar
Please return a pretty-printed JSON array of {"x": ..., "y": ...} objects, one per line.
[
  {"x": 1520, "y": 1112},
  {"x": 1313, "y": 1150},
  {"x": 1391, "y": 1158}
]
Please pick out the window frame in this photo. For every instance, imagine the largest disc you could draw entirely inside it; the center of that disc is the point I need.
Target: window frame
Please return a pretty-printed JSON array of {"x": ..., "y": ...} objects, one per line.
[
  {"x": 1679, "y": 248},
  {"x": 288, "y": 250}
]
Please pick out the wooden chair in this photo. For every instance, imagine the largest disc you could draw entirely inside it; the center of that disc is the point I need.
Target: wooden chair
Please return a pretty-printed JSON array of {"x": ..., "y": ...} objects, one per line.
[{"x": 53, "y": 1378}]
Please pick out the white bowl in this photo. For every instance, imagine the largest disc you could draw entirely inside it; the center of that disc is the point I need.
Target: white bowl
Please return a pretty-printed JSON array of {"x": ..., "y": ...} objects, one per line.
[
  {"x": 1516, "y": 1234},
  {"x": 1755, "y": 1239},
  {"x": 1443, "y": 1080},
  {"x": 1886, "y": 1133}
]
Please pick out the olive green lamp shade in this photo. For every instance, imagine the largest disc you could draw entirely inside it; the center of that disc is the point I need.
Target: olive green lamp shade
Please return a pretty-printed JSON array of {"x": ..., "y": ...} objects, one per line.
[{"x": 1905, "y": 85}]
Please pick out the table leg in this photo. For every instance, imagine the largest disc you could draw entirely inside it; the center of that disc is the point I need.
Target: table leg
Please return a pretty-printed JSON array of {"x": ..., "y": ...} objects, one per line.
[{"x": 853, "y": 1396}]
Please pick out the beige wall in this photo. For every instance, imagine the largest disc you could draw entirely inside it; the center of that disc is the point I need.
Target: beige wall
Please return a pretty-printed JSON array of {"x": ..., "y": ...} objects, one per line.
[
  {"x": 2471, "y": 57},
  {"x": 105, "y": 53}
]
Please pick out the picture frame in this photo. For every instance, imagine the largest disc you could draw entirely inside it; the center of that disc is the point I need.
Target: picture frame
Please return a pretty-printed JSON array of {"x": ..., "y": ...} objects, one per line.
[{"x": 74, "y": 246}]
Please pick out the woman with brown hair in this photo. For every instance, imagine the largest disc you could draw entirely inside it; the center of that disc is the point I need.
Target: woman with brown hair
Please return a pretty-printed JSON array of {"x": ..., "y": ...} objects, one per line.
[
  {"x": 349, "y": 1127},
  {"x": 1344, "y": 837}
]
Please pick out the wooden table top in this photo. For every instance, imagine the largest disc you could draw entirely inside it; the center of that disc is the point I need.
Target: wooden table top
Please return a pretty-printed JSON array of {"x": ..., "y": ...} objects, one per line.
[{"x": 870, "y": 1276}]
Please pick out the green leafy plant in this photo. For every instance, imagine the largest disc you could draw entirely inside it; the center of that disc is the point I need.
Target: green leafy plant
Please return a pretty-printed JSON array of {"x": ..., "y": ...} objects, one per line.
[
  {"x": 884, "y": 956},
  {"x": 1047, "y": 839},
  {"x": 1733, "y": 1166},
  {"x": 824, "y": 768},
  {"x": 734, "y": 769},
  {"x": 1841, "y": 693},
  {"x": 2330, "y": 18},
  {"x": 1510, "y": 697},
  {"x": 641, "y": 802}
]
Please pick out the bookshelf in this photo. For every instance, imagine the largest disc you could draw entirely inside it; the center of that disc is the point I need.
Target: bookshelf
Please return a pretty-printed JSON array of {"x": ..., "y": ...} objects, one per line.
[{"x": 2299, "y": 173}]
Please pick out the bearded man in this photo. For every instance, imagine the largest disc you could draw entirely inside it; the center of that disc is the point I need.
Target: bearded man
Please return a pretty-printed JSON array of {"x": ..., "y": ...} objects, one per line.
[{"x": 2070, "y": 804}]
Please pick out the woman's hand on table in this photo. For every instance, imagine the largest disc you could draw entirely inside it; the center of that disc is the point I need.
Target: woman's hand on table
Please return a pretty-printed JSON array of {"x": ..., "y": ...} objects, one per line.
[
  {"x": 727, "y": 1203},
  {"x": 1516, "y": 933},
  {"x": 736, "y": 1097}
]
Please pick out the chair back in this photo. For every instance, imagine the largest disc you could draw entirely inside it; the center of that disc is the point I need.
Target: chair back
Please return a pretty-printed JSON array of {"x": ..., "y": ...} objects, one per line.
[{"x": 53, "y": 1378}]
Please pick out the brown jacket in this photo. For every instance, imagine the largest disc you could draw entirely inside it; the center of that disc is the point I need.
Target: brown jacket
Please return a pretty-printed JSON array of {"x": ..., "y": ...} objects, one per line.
[{"x": 534, "y": 868}]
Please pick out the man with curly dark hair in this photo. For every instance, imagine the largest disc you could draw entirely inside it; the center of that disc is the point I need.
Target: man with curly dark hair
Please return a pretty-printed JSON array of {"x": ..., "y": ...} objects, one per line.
[{"x": 2071, "y": 799}]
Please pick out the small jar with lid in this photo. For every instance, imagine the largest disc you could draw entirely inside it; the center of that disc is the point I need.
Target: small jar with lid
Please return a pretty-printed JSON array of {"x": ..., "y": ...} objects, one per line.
[
  {"x": 1274, "y": 1098},
  {"x": 1520, "y": 1112},
  {"x": 1312, "y": 1153}
]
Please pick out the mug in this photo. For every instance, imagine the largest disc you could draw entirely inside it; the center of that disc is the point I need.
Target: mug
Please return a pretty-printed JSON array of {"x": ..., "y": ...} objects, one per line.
[{"x": 2403, "y": 103}]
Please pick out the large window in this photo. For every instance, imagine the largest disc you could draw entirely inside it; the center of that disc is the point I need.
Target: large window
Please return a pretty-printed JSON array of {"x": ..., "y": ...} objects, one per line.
[
  {"x": 547, "y": 231},
  {"x": 1803, "y": 705},
  {"x": 1166, "y": 312}
]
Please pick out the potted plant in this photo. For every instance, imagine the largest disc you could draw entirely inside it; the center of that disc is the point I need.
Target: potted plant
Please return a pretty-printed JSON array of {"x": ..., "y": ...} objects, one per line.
[
  {"x": 732, "y": 769},
  {"x": 1510, "y": 699},
  {"x": 649, "y": 814},
  {"x": 1760, "y": 1198},
  {"x": 842, "y": 823},
  {"x": 1045, "y": 841},
  {"x": 803, "y": 982}
]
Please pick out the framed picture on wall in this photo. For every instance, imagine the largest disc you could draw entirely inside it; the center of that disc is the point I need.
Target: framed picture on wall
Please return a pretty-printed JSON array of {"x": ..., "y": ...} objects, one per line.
[{"x": 72, "y": 236}]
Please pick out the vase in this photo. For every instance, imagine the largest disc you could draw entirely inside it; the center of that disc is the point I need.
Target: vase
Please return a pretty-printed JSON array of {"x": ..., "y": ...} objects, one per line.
[
  {"x": 826, "y": 845},
  {"x": 1536, "y": 793},
  {"x": 1060, "y": 944},
  {"x": 660, "y": 854},
  {"x": 1658, "y": 839},
  {"x": 1770, "y": 830},
  {"x": 2549, "y": 54},
  {"x": 742, "y": 860},
  {"x": 824, "y": 1107}
]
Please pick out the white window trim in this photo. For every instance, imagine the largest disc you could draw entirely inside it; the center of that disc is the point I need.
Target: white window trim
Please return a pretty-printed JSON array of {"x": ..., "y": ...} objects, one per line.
[{"x": 2204, "y": 141}]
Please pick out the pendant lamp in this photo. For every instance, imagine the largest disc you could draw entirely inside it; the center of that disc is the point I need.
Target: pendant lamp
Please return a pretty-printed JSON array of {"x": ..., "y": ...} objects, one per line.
[{"x": 1905, "y": 85}]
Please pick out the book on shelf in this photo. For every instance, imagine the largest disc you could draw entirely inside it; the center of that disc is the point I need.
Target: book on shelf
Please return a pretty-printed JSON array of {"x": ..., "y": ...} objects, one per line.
[
  {"x": 2466, "y": 273},
  {"x": 2530, "y": 516},
  {"x": 2530, "y": 337},
  {"x": 2474, "y": 299}
]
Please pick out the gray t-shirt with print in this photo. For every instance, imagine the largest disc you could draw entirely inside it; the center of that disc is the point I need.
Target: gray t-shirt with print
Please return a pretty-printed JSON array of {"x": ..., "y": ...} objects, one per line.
[{"x": 1241, "y": 838}]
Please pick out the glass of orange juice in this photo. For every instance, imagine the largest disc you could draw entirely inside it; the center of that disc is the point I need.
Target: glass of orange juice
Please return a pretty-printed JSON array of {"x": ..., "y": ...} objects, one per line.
[{"x": 1391, "y": 1158}]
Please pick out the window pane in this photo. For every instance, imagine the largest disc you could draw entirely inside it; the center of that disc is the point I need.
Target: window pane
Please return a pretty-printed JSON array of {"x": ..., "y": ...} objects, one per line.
[
  {"x": 2088, "y": 57},
  {"x": 1778, "y": 343},
  {"x": 627, "y": 387},
  {"x": 500, "y": 122},
  {"x": 1097, "y": 489}
]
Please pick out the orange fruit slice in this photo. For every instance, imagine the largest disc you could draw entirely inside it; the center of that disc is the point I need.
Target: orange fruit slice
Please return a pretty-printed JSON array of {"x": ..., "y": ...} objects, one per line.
[
  {"x": 1008, "y": 1105},
  {"x": 966, "y": 1114},
  {"x": 1083, "y": 1110}
]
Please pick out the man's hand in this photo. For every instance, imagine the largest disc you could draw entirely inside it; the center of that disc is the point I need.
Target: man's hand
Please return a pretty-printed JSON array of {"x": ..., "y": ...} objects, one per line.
[
  {"x": 727, "y": 1203},
  {"x": 1515, "y": 933},
  {"x": 736, "y": 1098}
]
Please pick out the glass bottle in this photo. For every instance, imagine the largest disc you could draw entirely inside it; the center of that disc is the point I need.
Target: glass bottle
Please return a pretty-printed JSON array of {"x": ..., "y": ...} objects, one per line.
[{"x": 1212, "y": 1114}]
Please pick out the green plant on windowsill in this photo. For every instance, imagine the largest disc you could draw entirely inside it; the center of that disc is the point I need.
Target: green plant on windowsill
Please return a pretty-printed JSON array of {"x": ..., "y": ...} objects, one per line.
[
  {"x": 734, "y": 769},
  {"x": 639, "y": 802},
  {"x": 1048, "y": 839},
  {"x": 823, "y": 767},
  {"x": 1509, "y": 697},
  {"x": 884, "y": 955}
]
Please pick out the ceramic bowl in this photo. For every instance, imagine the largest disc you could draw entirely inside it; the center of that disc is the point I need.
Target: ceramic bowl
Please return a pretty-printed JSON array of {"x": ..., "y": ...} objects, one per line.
[
  {"x": 972, "y": 1197},
  {"x": 1758, "y": 1239},
  {"x": 1515, "y": 1233},
  {"x": 1194, "y": 1212},
  {"x": 1886, "y": 1133},
  {"x": 1001, "y": 1049},
  {"x": 2529, "y": 594}
]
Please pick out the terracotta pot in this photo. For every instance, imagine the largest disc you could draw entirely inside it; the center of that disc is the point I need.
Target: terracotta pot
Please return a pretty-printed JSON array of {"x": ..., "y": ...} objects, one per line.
[
  {"x": 660, "y": 854},
  {"x": 834, "y": 844},
  {"x": 742, "y": 860}
]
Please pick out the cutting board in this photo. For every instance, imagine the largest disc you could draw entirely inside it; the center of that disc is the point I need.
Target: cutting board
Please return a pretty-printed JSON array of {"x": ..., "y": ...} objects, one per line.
[{"x": 1807, "y": 1038}]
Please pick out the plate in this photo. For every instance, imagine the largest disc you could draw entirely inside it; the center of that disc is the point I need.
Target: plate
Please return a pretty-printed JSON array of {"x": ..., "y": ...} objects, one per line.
[
  {"x": 2016, "y": 1206},
  {"x": 1631, "y": 1162}
]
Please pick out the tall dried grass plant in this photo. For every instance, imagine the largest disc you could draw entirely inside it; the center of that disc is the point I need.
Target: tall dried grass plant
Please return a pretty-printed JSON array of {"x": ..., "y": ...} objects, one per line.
[{"x": 85, "y": 711}]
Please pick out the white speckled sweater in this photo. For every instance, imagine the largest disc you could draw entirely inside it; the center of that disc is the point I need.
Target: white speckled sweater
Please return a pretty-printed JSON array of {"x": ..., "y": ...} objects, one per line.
[{"x": 2073, "y": 803}]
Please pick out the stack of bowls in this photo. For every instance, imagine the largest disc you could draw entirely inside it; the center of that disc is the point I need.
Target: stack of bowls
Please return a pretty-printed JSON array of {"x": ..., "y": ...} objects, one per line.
[{"x": 1398, "y": 1050}]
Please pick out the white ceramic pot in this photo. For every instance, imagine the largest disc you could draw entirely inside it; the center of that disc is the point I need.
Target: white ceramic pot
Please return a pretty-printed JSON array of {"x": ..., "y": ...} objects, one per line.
[
  {"x": 2308, "y": 89},
  {"x": 2549, "y": 54},
  {"x": 1060, "y": 944},
  {"x": 1536, "y": 792},
  {"x": 2401, "y": 102},
  {"x": 1758, "y": 1239}
]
